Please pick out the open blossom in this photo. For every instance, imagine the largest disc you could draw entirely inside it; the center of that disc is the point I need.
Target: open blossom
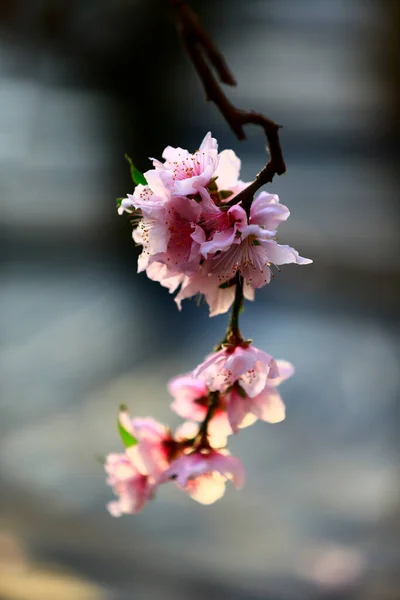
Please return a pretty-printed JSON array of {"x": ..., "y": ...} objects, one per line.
[
  {"x": 191, "y": 401},
  {"x": 182, "y": 251},
  {"x": 247, "y": 366},
  {"x": 185, "y": 173},
  {"x": 233, "y": 243},
  {"x": 130, "y": 485},
  {"x": 136, "y": 474},
  {"x": 154, "y": 445},
  {"x": 253, "y": 246},
  {"x": 166, "y": 233},
  {"x": 194, "y": 242},
  {"x": 203, "y": 475}
]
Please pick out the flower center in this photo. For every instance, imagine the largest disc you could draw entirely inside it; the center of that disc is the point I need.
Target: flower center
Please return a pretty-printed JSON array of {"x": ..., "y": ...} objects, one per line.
[{"x": 189, "y": 167}]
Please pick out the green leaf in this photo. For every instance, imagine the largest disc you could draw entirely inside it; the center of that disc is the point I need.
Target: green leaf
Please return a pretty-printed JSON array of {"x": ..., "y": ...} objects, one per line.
[
  {"x": 137, "y": 176},
  {"x": 119, "y": 201},
  {"x": 127, "y": 438}
]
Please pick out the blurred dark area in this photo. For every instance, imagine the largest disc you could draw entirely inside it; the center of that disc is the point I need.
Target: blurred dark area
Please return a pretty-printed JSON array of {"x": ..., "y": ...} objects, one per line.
[{"x": 83, "y": 82}]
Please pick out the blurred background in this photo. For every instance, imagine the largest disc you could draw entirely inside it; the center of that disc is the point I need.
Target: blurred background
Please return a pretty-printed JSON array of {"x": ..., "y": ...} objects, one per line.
[{"x": 82, "y": 82}]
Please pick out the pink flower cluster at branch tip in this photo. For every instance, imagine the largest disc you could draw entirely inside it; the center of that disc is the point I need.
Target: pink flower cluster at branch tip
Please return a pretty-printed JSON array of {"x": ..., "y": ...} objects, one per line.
[
  {"x": 239, "y": 387},
  {"x": 195, "y": 238},
  {"x": 197, "y": 466}
]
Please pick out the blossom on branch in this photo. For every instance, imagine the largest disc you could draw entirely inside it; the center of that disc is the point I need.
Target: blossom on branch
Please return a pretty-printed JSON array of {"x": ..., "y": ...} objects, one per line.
[
  {"x": 203, "y": 475},
  {"x": 183, "y": 173},
  {"x": 130, "y": 485},
  {"x": 202, "y": 232},
  {"x": 193, "y": 234},
  {"x": 192, "y": 401},
  {"x": 246, "y": 366}
]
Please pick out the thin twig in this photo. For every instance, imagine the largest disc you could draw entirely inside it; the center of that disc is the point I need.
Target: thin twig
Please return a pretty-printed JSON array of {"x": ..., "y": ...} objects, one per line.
[
  {"x": 233, "y": 336},
  {"x": 199, "y": 46},
  {"x": 203, "y": 429}
]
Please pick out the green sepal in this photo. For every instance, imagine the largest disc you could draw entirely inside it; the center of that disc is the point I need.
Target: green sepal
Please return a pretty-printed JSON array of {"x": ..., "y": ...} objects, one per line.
[
  {"x": 137, "y": 176},
  {"x": 127, "y": 438},
  {"x": 212, "y": 186},
  {"x": 224, "y": 194},
  {"x": 119, "y": 202}
]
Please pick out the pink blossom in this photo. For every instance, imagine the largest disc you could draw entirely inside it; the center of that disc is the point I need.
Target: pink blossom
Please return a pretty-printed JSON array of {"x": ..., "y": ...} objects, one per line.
[
  {"x": 199, "y": 244},
  {"x": 254, "y": 247},
  {"x": 203, "y": 475},
  {"x": 169, "y": 234},
  {"x": 230, "y": 243},
  {"x": 164, "y": 228},
  {"x": 185, "y": 173},
  {"x": 151, "y": 227},
  {"x": 181, "y": 248},
  {"x": 267, "y": 405},
  {"x": 267, "y": 212},
  {"x": 190, "y": 397},
  {"x": 154, "y": 445},
  {"x": 130, "y": 485},
  {"x": 145, "y": 198},
  {"x": 191, "y": 401},
  {"x": 223, "y": 228},
  {"x": 253, "y": 256},
  {"x": 246, "y": 366}
]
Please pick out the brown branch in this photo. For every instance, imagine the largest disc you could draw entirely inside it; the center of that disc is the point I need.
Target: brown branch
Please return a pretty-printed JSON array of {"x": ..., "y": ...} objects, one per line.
[{"x": 199, "y": 46}]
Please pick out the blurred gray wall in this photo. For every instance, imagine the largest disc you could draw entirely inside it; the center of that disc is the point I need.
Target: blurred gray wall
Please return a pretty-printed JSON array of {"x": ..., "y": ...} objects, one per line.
[{"x": 84, "y": 82}]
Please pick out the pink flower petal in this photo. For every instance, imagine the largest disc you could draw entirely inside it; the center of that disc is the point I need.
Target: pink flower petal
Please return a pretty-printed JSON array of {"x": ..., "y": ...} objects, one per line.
[
  {"x": 285, "y": 370},
  {"x": 220, "y": 242},
  {"x": 237, "y": 410},
  {"x": 282, "y": 255},
  {"x": 156, "y": 184},
  {"x": 268, "y": 406},
  {"x": 267, "y": 212},
  {"x": 207, "y": 489},
  {"x": 240, "y": 361},
  {"x": 229, "y": 466},
  {"x": 130, "y": 486},
  {"x": 228, "y": 170},
  {"x": 208, "y": 143}
]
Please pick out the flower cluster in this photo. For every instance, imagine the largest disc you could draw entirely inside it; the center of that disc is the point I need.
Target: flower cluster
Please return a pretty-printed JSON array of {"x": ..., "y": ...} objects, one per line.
[
  {"x": 197, "y": 236},
  {"x": 230, "y": 390}
]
